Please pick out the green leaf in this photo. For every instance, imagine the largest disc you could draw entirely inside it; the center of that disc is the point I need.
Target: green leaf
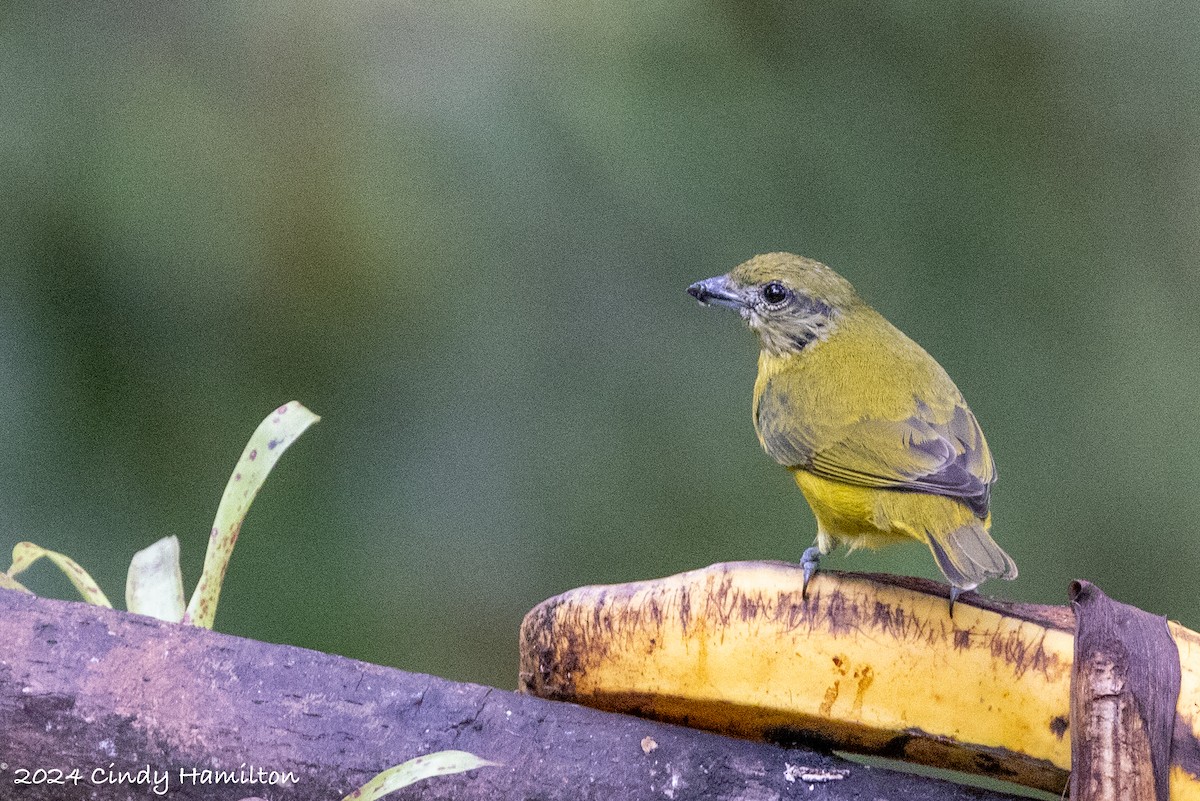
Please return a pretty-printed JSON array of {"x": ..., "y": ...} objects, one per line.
[
  {"x": 154, "y": 586},
  {"x": 26, "y": 553},
  {"x": 9, "y": 583},
  {"x": 266, "y": 445},
  {"x": 441, "y": 763}
]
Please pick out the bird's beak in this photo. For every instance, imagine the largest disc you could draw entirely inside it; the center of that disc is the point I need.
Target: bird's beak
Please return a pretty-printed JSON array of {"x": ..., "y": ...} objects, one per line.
[{"x": 717, "y": 292}]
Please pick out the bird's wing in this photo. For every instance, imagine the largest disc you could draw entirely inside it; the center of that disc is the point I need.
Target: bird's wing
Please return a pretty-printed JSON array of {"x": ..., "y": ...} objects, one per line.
[{"x": 936, "y": 450}]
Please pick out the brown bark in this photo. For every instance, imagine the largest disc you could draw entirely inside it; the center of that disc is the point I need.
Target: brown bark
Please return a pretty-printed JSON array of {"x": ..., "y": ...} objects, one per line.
[{"x": 1124, "y": 693}]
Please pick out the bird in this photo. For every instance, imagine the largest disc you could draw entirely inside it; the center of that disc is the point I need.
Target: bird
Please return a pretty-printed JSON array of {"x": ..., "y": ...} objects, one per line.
[{"x": 875, "y": 433}]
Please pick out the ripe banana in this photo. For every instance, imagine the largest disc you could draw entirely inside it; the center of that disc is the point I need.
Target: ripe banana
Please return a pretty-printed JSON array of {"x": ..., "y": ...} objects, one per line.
[{"x": 870, "y": 664}]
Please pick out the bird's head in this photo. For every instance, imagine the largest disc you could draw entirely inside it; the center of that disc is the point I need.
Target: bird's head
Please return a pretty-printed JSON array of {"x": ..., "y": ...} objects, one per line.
[{"x": 788, "y": 300}]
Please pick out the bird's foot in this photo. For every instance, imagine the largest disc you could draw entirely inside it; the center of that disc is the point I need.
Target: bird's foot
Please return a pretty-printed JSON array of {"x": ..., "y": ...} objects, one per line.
[
  {"x": 954, "y": 593},
  {"x": 810, "y": 560}
]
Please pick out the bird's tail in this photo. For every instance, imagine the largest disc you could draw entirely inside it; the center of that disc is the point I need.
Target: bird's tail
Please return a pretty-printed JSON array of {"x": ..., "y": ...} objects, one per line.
[{"x": 968, "y": 556}]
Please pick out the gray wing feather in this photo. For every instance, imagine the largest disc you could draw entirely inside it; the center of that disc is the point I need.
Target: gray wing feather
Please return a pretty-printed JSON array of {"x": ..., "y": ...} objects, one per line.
[{"x": 941, "y": 458}]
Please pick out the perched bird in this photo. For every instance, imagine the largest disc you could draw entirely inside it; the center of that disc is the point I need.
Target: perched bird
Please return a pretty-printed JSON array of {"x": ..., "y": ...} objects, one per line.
[{"x": 877, "y": 436}]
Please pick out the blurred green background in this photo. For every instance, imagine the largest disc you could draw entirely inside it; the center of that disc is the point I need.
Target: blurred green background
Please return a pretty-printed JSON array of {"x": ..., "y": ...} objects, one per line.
[{"x": 462, "y": 232}]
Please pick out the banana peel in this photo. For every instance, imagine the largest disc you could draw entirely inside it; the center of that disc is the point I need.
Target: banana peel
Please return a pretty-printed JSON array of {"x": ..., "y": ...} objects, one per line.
[
  {"x": 1185, "y": 742},
  {"x": 867, "y": 664}
]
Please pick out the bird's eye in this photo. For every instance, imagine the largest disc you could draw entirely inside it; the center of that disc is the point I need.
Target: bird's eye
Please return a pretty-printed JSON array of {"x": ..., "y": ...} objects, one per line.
[{"x": 775, "y": 293}]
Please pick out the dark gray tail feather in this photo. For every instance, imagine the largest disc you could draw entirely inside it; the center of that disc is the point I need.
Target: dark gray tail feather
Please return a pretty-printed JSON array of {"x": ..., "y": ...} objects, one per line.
[{"x": 968, "y": 556}]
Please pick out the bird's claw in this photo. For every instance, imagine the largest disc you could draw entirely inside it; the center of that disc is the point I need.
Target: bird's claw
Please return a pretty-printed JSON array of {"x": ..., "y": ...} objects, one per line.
[
  {"x": 954, "y": 593},
  {"x": 810, "y": 560}
]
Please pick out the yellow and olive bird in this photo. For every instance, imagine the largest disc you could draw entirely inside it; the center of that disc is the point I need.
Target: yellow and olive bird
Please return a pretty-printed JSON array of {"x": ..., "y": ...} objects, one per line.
[{"x": 877, "y": 436}]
